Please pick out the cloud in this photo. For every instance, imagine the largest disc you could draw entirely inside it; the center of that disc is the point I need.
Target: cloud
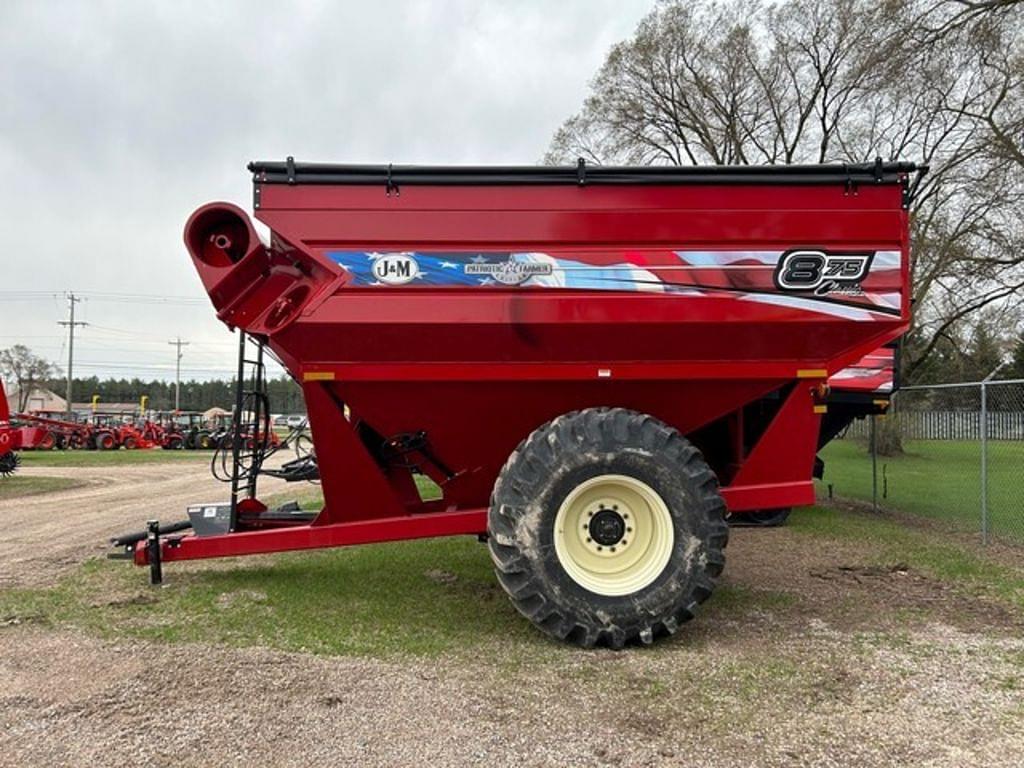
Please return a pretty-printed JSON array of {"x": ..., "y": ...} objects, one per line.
[{"x": 118, "y": 119}]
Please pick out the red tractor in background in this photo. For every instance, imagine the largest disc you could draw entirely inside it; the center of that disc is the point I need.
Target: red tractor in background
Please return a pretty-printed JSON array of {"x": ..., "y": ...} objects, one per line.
[
  {"x": 10, "y": 439},
  {"x": 115, "y": 430},
  {"x": 179, "y": 430},
  {"x": 104, "y": 432}
]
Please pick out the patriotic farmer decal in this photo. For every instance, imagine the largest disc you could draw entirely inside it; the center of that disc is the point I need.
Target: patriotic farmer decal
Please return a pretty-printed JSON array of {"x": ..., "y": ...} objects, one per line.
[{"x": 850, "y": 285}]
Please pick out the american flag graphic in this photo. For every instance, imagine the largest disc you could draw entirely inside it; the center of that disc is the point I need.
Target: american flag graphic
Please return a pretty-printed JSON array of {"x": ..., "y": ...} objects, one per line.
[{"x": 744, "y": 275}]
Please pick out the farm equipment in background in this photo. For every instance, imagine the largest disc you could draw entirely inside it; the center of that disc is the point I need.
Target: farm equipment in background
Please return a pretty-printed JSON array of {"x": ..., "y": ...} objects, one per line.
[
  {"x": 116, "y": 430},
  {"x": 595, "y": 364},
  {"x": 10, "y": 439},
  {"x": 172, "y": 431},
  {"x": 194, "y": 431},
  {"x": 251, "y": 433},
  {"x": 98, "y": 431},
  {"x": 105, "y": 431},
  {"x": 47, "y": 432},
  {"x": 34, "y": 437},
  {"x": 154, "y": 430},
  {"x": 133, "y": 437}
]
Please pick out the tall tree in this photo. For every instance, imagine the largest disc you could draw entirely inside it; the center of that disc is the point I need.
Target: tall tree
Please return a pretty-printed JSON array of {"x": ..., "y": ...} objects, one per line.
[
  {"x": 1015, "y": 370},
  {"x": 20, "y": 365},
  {"x": 939, "y": 82}
]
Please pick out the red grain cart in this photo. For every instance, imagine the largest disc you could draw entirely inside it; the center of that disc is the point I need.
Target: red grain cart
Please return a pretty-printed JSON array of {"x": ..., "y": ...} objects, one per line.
[{"x": 594, "y": 364}]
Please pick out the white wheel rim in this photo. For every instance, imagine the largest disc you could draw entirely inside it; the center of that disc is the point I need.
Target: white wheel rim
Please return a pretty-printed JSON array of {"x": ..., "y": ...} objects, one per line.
[{"x": 603, "y": 564}]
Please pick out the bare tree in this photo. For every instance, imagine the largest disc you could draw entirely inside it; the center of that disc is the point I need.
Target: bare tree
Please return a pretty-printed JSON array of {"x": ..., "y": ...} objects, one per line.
[
  {"x": 938, "y": 81},
  {"x": 20, "y": 365}
]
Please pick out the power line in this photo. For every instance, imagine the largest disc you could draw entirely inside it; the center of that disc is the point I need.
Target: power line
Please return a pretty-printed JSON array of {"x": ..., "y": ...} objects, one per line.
[
  {"x": 177, "y": 370},
  {"x": 70, "y": 323},
  {"x": 106, "y": 297}
]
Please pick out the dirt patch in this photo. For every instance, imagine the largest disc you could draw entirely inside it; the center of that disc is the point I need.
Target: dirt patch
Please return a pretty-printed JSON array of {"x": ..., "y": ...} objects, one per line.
[
  {"x": 841, "y": 582},
  {"x": 441, "y": 577},
  {"x": 47, "y": 535}
]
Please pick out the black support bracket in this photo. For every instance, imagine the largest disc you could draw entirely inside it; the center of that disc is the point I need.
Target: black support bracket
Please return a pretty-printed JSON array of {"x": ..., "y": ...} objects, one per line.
[{"x": 156, "y": 574}]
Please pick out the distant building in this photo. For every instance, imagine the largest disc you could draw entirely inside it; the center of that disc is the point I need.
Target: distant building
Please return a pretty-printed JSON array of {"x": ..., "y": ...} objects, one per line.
[
  {"x": 39, "y": 400},
  {"x": 124, "y": 409}
]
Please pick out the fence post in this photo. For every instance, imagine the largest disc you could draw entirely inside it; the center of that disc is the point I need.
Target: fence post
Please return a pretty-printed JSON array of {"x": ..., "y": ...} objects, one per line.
[
  {"x": 874, "y": 466},
  {"x": 984, "y": 463}
]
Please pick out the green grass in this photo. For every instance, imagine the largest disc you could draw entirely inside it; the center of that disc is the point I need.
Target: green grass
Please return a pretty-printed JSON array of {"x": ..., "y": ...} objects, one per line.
[
  {"x": 940, "y": 479},
  {"x": 311, "y": 497},
  {"x": 308, "y": 495},
  {"x": 423, "y": 598},
  {"x": 420, "y": 598},
  {"x": 82, "y": 458},
  {"x": 18, "y": 486}
]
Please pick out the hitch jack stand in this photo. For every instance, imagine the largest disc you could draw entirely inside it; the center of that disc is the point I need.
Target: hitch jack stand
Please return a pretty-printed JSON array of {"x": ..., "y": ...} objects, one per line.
[{"x": 156, "y": 574}]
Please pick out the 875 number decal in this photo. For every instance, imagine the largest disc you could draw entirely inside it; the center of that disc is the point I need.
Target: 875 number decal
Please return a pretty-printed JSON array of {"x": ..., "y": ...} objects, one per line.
[{"x": 822, "y": 272}]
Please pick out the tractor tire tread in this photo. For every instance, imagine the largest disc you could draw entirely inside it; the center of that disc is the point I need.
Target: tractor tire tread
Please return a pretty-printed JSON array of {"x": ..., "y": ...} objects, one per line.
[{"x": 607, "y": 430}]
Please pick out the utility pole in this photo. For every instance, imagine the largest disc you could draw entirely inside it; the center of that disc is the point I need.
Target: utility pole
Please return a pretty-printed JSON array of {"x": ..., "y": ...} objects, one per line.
[
  {"x": 177, "y": 371},
  {"x": 71, "y": 323}
]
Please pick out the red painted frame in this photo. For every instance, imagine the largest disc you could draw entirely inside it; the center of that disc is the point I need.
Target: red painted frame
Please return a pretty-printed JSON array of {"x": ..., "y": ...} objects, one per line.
[{"x": 478, "y": 369}]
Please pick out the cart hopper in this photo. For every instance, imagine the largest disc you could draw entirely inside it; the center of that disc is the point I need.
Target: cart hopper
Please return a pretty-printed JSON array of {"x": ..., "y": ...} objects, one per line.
[{"x": 594, "y": 364}]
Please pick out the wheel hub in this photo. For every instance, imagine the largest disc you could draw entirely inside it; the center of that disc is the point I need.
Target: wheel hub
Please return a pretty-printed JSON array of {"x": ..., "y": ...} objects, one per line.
[
  {"x": 613, "y": 534},
  {"x": 607, "y": 527}
]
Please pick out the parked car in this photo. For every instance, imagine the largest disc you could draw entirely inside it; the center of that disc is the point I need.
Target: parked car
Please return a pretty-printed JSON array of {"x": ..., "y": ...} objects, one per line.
[{"x": 296, "y": 420}]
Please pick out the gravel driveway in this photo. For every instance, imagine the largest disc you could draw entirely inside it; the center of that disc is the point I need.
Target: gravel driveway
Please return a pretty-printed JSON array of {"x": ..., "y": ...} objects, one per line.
[
  {"x": 45, "y": 535},
  {"x": 861, "y": 666}
]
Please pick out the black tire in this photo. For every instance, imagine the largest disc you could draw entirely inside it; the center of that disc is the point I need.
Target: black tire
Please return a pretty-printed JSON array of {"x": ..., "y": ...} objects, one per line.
[
  {"x": 175, "y": 443},
  {"x": 539, "y": 475},
  {"x": 9, "y": 464},
  {"x": 105, "y": 441},
  {"x": 762, "y": 518}
]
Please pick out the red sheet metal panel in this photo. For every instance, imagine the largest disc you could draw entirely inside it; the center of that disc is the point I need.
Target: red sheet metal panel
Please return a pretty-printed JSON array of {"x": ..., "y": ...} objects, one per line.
[{"x": 474, "y": 312}]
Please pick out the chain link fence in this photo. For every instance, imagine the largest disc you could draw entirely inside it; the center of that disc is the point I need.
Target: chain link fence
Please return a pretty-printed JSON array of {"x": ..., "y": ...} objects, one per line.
[{"x": 952, "y": 452}]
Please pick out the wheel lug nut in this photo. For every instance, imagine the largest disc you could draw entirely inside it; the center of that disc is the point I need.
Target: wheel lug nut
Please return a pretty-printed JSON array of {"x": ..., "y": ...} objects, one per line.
[
  {"x": 628, "y": 529},
  {"x": 600, "y": 549},
  {"x": 624, "y": 542},
  {"x": 589, "y": 539},
  {"x": 613, "y": 549}
]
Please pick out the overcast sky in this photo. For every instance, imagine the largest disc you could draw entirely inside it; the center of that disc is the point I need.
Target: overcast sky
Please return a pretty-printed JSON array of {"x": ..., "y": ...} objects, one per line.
[{"x": 117, "y": 119}]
